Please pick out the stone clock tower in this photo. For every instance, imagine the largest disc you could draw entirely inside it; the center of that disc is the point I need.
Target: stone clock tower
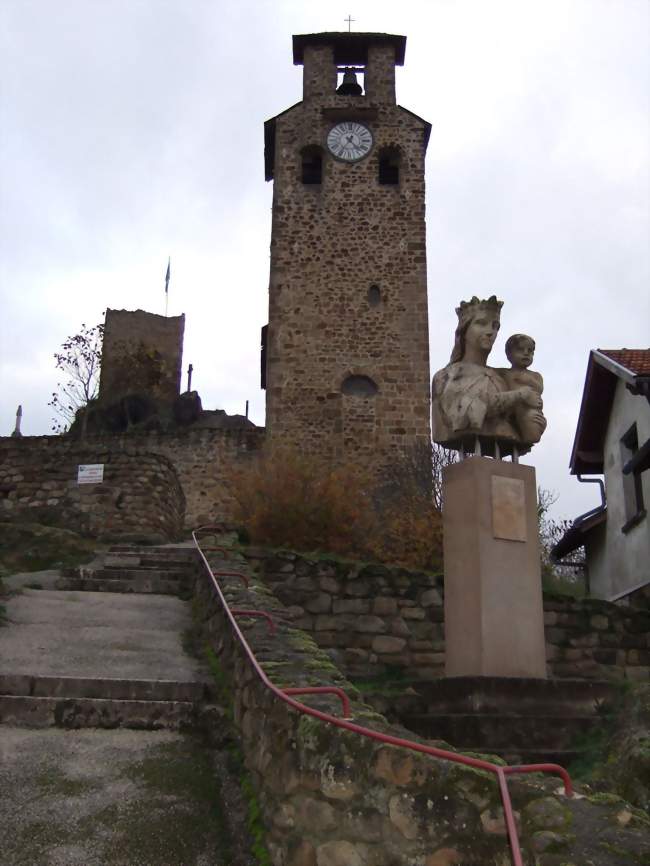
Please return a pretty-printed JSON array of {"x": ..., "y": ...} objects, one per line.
[{"x": 345, "y": 356}]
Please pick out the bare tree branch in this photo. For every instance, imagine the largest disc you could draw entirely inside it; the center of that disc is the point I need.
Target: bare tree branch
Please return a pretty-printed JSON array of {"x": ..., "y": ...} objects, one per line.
[{"x": 80, "y": 360}]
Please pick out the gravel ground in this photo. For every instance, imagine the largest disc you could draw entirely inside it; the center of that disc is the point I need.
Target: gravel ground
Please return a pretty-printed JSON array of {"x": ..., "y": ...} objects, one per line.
[{"x": 117, "y": 798}]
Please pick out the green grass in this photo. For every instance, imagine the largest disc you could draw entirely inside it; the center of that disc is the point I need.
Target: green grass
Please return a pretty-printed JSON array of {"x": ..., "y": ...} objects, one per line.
[
  {"x": 34, "y": 547},
  {"x": 237, "y": 766},
  {"x": 593, "y": 745},
  {"x": 3, "y": 609},
  {"x": 389, "y": 683}
]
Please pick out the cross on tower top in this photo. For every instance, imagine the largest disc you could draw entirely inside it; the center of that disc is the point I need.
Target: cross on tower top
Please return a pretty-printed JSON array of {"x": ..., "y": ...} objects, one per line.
[{"x": 349, "y": 19}]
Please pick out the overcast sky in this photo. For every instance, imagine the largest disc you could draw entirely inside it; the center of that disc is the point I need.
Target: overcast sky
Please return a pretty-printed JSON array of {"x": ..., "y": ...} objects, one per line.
[{"x": 132, "y": 130}]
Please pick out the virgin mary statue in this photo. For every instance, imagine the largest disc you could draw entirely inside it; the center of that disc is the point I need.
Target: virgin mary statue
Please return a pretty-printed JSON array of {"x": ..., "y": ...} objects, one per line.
[{"x": 471, "y": 400}]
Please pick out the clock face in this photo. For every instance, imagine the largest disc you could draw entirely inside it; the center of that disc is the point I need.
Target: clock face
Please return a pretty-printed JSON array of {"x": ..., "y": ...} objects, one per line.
[{"x": 349, "y": 140}]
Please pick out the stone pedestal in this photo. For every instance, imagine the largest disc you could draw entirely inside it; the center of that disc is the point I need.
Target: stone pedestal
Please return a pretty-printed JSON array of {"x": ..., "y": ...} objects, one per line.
[{"x": 494, "y": 619}]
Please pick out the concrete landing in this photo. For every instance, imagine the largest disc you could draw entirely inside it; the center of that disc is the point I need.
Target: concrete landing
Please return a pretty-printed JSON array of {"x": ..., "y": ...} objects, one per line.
[
  {"x": 87, "y": 634},
  {"x": 111, "y": 798}
]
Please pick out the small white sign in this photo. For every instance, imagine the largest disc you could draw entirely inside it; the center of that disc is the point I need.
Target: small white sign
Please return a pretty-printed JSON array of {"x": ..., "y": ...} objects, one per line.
[{"x": 90, "y": 473}]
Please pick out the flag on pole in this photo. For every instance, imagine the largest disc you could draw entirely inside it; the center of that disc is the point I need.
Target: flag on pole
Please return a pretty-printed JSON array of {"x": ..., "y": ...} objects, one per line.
[{"x": 167, "y": 275}]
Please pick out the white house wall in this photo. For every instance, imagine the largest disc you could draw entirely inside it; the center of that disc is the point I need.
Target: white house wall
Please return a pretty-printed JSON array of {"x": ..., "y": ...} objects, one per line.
[{"x": 624, "y": 562}]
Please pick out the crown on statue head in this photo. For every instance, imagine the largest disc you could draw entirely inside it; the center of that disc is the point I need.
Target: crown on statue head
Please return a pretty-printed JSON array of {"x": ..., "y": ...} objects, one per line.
[{"x": 469, "y": 309}]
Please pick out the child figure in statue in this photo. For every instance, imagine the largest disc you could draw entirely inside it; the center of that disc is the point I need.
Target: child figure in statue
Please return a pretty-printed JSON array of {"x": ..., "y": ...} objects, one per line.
[{"x": 520, "y": 350}]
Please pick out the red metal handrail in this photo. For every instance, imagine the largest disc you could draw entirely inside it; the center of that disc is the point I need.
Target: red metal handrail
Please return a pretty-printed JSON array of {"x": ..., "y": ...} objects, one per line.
[
  {"x": 244, "y": 579},
  {"x": 323, "y": 690},
  {"x": 261, "y": 614},
  {"x": 501, "y": 772}
]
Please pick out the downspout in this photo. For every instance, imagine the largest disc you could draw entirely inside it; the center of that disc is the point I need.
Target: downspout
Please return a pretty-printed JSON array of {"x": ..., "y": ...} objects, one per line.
[
  {"x": 601, "y": 507},
  {"x": 603, "y": 500},
  {"x": 582, "y": 517}
]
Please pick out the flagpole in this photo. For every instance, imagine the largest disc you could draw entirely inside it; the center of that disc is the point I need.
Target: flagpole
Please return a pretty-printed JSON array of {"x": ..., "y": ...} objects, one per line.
[{"x": 167, "y": 276}]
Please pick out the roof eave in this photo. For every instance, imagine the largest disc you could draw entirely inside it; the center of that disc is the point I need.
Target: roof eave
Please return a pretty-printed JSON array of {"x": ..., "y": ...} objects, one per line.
[{"x": 614, "y": 367}]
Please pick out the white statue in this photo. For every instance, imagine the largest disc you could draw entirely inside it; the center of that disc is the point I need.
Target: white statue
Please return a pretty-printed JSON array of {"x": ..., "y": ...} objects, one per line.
[{"x": 498, "y": 410}]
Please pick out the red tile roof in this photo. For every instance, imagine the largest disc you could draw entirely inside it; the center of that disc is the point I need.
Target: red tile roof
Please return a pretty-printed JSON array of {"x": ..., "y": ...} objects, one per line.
[
  {"x": 637, "y": 361},
  {"x": 605, "y": 369}
]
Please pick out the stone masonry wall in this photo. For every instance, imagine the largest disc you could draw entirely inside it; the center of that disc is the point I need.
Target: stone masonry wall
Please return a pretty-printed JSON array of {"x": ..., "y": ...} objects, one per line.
[
  {"x": 140, "y": 496},
  {"x": 329, "y": 797},
  {"x": 141, "y": 353},
  {"x": 374, "y": 618},
  {"x": 200, "y": 461},
  {"x": 594, "y": 639},
  {"x": 370, "y": 617}
]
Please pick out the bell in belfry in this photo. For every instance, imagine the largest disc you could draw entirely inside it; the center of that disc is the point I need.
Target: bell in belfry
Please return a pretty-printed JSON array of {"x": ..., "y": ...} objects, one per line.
[{"x": 349, "y": 85}]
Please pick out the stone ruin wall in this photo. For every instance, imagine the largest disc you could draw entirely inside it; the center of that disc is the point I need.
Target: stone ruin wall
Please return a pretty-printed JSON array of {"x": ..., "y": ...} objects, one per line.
[
  {"x": 142, "y": 353},
  {"x": 329, "y": 797},
  {"x": 139, "y": 498},
  {"x": 182, "y": 476},
  {"x": 374, "y": 619}
]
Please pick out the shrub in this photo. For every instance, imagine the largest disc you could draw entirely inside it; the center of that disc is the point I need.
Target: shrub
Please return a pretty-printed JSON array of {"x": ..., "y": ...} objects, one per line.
[
  {"x": 408, "y": 508},
  {"x": 287, "y": 499}
]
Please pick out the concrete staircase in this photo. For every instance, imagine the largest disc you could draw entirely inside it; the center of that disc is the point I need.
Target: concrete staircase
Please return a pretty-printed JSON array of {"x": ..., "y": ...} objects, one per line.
[
  {"x": 125, "y": 568},
  {"x": 72, "y": 659},
  {"x": 521, "y": 720},
  {"x": 83, "y": 702}
]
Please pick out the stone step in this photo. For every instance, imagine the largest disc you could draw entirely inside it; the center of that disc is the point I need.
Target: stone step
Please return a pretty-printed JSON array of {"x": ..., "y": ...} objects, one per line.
[
  {"x": 46, "y": 712},
  {"x": 184, "y": 554},
  {"x": 508, "y": 695},
  {"x": 27, "y": 685},
  {"x": 141, "y": 585},
  {"x": 142, "y": 560},
  {"x": 100, "y": 572},
  {"x": 563, "y": 757},
  {"x": 499, "y": 732}
]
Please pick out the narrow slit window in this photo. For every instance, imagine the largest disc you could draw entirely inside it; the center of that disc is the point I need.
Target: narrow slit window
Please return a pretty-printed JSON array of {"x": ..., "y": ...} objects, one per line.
[
  {"x": 374, "y": 295},
  {"x": 389, "y": 167},
  {"x": 312, "y": 166}
]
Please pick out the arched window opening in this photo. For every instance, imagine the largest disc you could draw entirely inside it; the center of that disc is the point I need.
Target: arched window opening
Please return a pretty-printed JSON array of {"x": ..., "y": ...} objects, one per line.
[
  {"x": 312, "y": 165},
  {"x": 359, "y": 386},
  {"x": 389, "y": 166}
]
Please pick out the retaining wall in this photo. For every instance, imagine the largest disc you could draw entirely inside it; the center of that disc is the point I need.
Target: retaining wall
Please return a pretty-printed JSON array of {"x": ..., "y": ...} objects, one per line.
[
  {"x": 374, "y": 618},
  {"x": 332, "y": 798}
]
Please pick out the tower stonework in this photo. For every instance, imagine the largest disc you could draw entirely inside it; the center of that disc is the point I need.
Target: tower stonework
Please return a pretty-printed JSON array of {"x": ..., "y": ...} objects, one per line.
[{"x": 346, "y": 361}]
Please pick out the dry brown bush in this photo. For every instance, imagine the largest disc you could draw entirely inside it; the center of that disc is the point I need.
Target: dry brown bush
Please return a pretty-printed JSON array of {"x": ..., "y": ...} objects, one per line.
[
  {"x": 408, "y": 507},
  {"x": 286, "y": 499}
]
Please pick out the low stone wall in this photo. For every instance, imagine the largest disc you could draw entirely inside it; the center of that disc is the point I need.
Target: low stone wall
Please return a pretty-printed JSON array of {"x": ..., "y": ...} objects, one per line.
[
  {"x": 373, "y": 619},
  {"x": 370, "y": 617},
  {"x": 140, "y": 496},
  {"x": 329, "y": 797},
  {"x": 594, "y": 639},
  {"x": 201, "y": 460}
]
